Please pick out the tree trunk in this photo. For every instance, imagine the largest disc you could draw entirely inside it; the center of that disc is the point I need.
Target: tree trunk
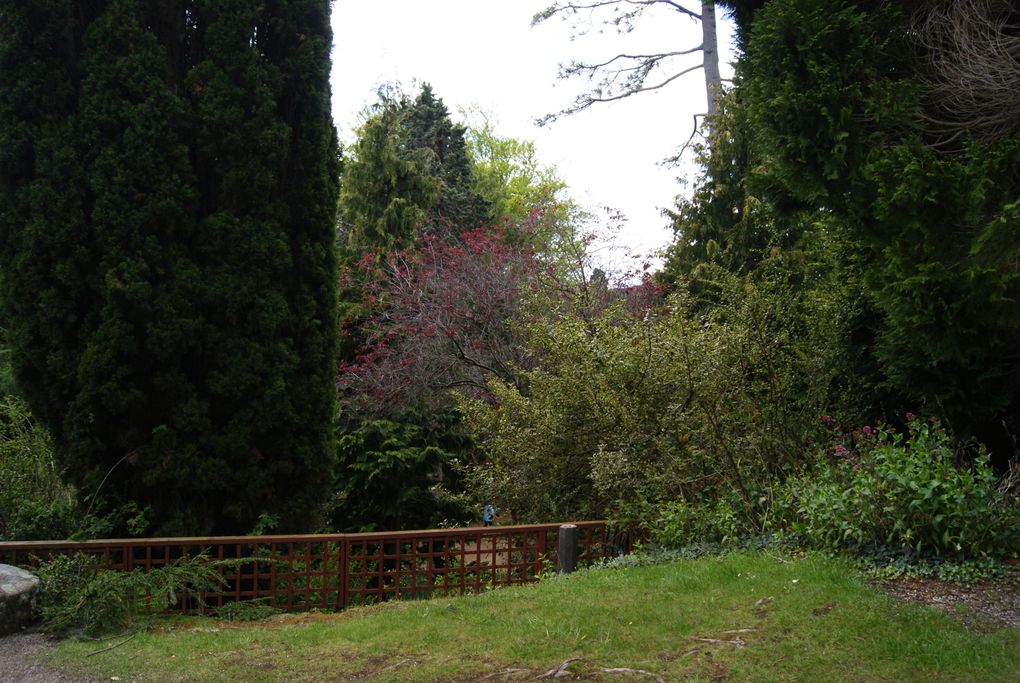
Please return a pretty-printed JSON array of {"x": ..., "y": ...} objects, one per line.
[{"x": 710, "y": 51}]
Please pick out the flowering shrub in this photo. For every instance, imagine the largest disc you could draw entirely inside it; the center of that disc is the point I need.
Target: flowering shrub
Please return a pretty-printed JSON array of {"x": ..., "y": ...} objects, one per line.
[{"x": 878, "y": 489}]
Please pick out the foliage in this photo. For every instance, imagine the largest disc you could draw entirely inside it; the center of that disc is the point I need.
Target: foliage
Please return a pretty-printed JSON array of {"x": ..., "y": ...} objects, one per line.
[
  {"x": 625, "y": 412},
  {"x": 34, "y": 501},
  {"x": 507, "y": 173},
  {"x": 681, "y": 524},
  {"x": 886, "y": 566},
  {"x": 909, "y": 493},
  {"x": 408, "y": 172},
  {"x": 385, "y": 194},
  {"x": 431, "y": 301},
  {"x": 827, "y": 87},
  {"x": 836, "y": 95},
  {"x": 7, "y": 386},
  {"x": 77, "y": 597},
  {"x": 723, "y": 223},
  {"x": 398, "y": 474},
  {"x": 166, "y": 244},
  {"x": 447, "y": 157},
  {"x": 447, "y": 316},
  {"x": 655, "y": 554}
]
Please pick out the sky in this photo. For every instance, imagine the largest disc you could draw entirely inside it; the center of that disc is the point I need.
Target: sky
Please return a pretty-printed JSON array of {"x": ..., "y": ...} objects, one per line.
[{"x": 485, "y": 54}]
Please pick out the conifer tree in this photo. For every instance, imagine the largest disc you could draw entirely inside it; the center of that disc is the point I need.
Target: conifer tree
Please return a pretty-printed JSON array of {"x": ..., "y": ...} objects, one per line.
[
  {"x": 167, "y": 172},
  {"x": 409, "y": 172}
]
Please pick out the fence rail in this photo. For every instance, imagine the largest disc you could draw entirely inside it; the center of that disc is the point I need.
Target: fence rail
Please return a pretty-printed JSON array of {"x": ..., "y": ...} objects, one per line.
[{"x": 334, "y": 571}]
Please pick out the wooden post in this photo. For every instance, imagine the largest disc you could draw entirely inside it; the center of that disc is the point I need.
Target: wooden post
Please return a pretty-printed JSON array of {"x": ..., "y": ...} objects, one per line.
[{"x": 567, "y": 555}]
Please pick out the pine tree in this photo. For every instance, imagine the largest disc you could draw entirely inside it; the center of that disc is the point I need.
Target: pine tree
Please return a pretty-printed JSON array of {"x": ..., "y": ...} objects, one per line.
[{"x": 168, "y": 177}]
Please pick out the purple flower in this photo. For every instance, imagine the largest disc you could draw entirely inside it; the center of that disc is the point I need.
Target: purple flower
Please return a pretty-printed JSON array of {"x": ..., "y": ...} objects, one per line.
[
  {"x": 867, "y": 430},
  {"x": 910, "y": 417}
]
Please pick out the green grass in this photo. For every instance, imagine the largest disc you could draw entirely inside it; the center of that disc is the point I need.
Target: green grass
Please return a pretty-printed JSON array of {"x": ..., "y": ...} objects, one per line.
[{"x": 813, "y": 619}]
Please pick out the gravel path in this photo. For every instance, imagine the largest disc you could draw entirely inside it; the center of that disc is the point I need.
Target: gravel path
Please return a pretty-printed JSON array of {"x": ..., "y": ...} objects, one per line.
[{"x": 17, "y": 665}]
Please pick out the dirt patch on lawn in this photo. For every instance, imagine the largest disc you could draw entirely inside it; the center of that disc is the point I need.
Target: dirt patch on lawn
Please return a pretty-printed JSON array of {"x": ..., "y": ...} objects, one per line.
[
  {"x": 995, "y": 603},
  {"x": 18, "y": 661}
]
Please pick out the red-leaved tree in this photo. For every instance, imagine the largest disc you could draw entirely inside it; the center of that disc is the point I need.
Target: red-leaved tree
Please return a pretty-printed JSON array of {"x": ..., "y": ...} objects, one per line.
[{"x": 447, "y": 315}]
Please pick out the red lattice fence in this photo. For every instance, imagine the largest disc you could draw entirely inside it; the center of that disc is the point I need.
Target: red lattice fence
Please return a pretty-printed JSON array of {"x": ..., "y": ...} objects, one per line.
[{"x": 333, "y": 571}]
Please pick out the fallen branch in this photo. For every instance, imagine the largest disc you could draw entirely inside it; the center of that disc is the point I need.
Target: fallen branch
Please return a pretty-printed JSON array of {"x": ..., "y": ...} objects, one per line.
[
  {"x": 399, "y": 664},
  {"x": 560, "y": 671},
  {"x": 736, "y": 642},
  {"x": 504, "y": 672},
  {"x": 107, "y": 649}
]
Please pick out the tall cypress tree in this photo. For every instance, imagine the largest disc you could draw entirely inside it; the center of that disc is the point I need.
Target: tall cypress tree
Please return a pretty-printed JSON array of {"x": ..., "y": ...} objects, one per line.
[{"x": 167, "y": 178}]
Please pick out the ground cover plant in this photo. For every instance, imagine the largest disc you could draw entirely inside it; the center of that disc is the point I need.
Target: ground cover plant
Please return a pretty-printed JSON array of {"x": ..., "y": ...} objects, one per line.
[
  {"x": 744, "y": 616},
  {"x": 913, "y": 495}
]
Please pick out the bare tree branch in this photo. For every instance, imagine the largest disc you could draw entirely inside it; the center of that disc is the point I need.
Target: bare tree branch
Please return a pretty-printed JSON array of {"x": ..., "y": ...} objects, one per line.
[
  {"x": 626, "y": 74},
  {"x": 562, "y": 7},
  {"x": 587, "y": 100},
  {"x": 973, "y": 50},
  {"x": 577, "y": 67}
]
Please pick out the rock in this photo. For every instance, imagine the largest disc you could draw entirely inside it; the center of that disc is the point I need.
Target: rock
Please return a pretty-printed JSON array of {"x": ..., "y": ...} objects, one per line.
[{"x": 18, "y": 589}]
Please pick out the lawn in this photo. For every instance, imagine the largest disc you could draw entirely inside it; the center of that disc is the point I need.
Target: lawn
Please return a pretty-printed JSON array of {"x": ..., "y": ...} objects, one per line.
[{"x": 742, "y": 617}]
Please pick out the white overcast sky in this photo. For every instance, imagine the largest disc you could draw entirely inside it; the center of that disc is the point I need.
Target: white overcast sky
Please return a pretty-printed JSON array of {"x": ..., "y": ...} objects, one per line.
[{"x": 484, "y": 53}]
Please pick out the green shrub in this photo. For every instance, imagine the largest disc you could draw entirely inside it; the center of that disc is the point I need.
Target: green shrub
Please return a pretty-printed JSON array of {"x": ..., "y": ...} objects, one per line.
[
  {"x": 680, "y": 402},
  {"x": 34, "y": 502},
  {"x": 878, "y": 489},
  {"x": 77, "y": 597},
  {"x": 681, "y": 524}
]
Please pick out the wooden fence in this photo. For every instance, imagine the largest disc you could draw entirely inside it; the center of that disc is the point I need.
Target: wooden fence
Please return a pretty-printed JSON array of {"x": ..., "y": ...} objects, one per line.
[{"x": 333, "y": 571}]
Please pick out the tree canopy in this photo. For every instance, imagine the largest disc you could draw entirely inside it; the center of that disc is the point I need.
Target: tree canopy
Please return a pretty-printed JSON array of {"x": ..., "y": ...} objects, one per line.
[
  {"x": 166, "y": 247},
  {"x": 408, "y": 172}
]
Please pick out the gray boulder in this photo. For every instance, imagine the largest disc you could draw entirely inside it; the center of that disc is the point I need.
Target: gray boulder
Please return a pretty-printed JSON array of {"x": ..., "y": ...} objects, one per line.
[{"x": 18, "y": 589}]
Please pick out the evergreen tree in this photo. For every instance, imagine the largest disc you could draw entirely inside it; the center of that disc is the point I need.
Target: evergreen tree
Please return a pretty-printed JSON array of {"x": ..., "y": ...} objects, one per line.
[
  {"x": 846, "y": 119},
  {"x": 409, "y": 172},
  {"x": 446, "y": 156},
  {"x": 168, "y": 175},
  {"x": 385, "y": 193}
]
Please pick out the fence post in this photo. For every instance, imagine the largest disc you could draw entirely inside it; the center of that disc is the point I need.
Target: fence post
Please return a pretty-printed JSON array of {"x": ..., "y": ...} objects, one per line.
[
  {"x": 566, "y": 559},
  {"x": 344, "y": 561}
]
